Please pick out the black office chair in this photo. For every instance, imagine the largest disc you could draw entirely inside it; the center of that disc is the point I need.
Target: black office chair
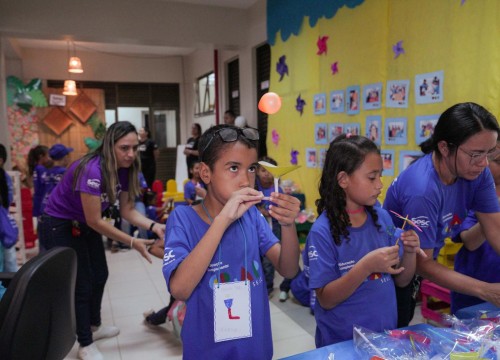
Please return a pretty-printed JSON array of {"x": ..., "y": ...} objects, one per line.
[{"x": 37, "y": 312}]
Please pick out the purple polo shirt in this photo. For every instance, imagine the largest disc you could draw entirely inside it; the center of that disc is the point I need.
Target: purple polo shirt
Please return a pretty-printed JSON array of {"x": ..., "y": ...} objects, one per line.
[{"x": 66, "y": 203}]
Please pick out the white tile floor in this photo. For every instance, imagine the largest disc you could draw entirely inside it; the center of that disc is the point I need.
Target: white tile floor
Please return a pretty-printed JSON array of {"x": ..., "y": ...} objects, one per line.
[{"x": 135, "y": 286}]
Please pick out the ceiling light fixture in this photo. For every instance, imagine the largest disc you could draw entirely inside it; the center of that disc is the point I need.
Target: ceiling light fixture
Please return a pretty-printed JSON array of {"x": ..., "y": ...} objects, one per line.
[
  {"x": 70, "y": 88},
  {"x": 75, "y": 64}
]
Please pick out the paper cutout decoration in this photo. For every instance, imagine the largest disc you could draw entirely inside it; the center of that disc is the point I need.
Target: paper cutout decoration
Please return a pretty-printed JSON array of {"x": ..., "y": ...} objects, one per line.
[
  {"x": 299, "y": 106},
  {"x": 275, "y": 136},
  {"x": 25, "y": 96},
  {"x": 462, "y": 2},
  {"x": 282, "y": 67},
  {"x": 398, "y": 49},
  {"x": 322, "y": 46},
  {"x": 57, "y": 120},
  {"x": 83, "y": 108},
  {"x": 277, "y": 171},
  {"x": 293, "y": 157},
  {"x": 269, "y": 103},
  {"x": 335, "y": 67}
]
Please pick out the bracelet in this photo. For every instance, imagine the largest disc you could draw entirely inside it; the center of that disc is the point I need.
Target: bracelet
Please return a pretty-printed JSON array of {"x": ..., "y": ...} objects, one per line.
[
  {"x": 132, "y": 242},
  {"x": 152, "y": 226}
]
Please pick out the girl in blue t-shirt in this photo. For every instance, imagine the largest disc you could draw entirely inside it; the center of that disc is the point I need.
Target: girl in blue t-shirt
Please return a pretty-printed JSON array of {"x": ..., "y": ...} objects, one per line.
[
  {"x": 440, "y": 188},
  {"x": 213, "y": 250},
  {"x": 353, "y": 254},
  {"x": 38, "y": 163}
]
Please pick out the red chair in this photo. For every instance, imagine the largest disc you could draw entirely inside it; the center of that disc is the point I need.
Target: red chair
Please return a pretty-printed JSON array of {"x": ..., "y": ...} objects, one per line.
[{"x": 157, "y": 187}]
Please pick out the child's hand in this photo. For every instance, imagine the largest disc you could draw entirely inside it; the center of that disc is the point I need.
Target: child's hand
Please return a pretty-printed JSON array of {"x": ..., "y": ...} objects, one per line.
[
  {"x": 410, "y": 240},
  {"x": 382, "y": 260},
  {"x": 287, "y": 208},
  {"x": 239, "y": 202}
]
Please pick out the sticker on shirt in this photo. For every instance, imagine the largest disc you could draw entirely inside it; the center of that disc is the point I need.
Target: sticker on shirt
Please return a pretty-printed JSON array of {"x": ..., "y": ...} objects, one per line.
[{"x": 232, "y": 311}]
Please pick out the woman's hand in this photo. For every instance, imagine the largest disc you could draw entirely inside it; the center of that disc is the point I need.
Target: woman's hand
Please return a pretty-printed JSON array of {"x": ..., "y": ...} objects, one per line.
[
  {"x": 286, "y": 208},
  {"x": 141, "y": 246},
  {"x": 382, "y": 260},
  {"x": 159, "y": 230}
]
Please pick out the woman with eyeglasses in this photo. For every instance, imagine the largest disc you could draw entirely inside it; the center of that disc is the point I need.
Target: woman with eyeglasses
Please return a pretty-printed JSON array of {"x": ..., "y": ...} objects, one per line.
[
  {"x": 213, "y": 250},
  {"x": 438, "y": 190}
]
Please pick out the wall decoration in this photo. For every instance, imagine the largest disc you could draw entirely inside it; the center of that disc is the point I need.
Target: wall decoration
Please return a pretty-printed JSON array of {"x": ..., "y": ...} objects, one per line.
[
  {"x": 335, "y": 67},
  {"x": 372, "y": 96},
  {"x": 23, "y": 130},
  {"x": 275, "y": 136},
  {"x": 322, "y": 157},
  {"x": 321, "y": 134},
  {"x": 299, "y": 105},
  {"x": 82, "y": 107},
  {"x": 374, "y": 128},
  {"x": 294, "y": 154},
  {"x": 396, "y": 131},
  {"x": 322, "y": 45},
  {"x": 311, "y": 158},
  {"x": 57, "y": 100},
  {"x": 398, "y": 49},
  {"x": 387, "y": 162},
  {"x": 407, "y": 157},
  {"x": 397, "y": 93},
  {"x": 353, "y": 93},
  {"x": 352, "y": 128},
  {"x": 335, "y": 130},
  {"x": 25, "y": 96},
  {"x": 424, "y": 127},
  {"x": 319, "y": 104},
  {"x": 282, "y": 67},
  {"x": 428, "y": 87},
  {"x": 57, "y": 120},
  {"x": 337, "y": 101}
]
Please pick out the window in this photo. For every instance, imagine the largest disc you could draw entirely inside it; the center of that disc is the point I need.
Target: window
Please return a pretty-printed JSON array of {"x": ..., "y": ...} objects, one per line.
[{"x": 205, "y": 95}]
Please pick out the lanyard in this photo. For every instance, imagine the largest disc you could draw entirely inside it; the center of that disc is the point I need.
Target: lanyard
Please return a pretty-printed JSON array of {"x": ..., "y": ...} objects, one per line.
[{"x": 220, "y": 247}]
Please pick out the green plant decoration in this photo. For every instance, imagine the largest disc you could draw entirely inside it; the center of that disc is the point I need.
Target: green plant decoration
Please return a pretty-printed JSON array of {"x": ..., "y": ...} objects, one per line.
[
  {"x": 25, "y": 96},
  {"x": 99, "y": 129}
]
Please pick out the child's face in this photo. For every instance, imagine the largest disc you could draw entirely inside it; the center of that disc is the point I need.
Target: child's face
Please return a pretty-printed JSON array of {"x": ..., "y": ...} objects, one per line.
[
  {"x": 45, "y": 160},
  {"x": 364, "y": 185},
  {"x": 234, "y": 169},
  {"x": 196, "y": 170},
  {"x": 265, "y": 177}
]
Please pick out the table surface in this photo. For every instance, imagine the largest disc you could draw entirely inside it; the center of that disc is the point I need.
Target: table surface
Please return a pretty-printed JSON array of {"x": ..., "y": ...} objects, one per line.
[
  {"x": 473, "y": 311},
  {"x": 343, "y": 350}
]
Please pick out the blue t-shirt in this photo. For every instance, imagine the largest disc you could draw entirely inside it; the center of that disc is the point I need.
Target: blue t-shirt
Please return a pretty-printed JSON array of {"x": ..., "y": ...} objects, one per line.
[
  {"x": 482, "y": 264},
  {"x": 53, "y": 176},
  {"x": 438, "y": 209},
  {"x": 40, "y": 179},
  {"x": 190, "y": 190},
  {"x": 184, "y": 231},
  {"x": 327, "y": 262},
  {"x": 64, "y": 203}
]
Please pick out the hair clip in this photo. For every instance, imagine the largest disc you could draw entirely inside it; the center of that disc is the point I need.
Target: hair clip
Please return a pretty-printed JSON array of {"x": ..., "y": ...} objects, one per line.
[{"x": 348, "y": 135}]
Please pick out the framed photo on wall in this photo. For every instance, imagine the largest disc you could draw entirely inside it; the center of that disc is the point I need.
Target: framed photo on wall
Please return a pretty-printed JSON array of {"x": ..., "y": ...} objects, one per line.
[
  {"x": 335, "y": 130},
  {"x": 397, "y": 93},
  {"x": 321, "y": 134},
  {"x": 424, "y": 127},
  {"x": 352, "y": 128},
  {"x": 319, "y": 104},
  {"x": 337, "y": 101},
  {"x": 311, "y": 157},
  {"x": 396, "y": 132},
  {"x": 322, "y": 157},
  {"x": 407, "y": 157},
  {"x": 372, "y": 96},
  {"x": 429, "y": 87},
  {"x": 352, "y": 100},
  {"x": 388, "y": 160},
  {"x": 374, "y": 128}
]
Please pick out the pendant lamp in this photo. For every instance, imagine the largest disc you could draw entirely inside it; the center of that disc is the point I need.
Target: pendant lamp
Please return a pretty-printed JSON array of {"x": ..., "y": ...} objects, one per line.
[
  {"x": 70, "y": 88},
  {"x": 74, "y": 64}
]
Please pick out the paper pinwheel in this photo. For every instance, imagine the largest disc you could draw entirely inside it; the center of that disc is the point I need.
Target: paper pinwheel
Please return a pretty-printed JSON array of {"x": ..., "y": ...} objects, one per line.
[
  {"x": 293, "y": 157},
  {"x": 275, "y": 137},
  {"x": 406, "y": 220},
  {"x": 335, "y": 67},
  {"x": 282, "y": 67},
  {"x": 398, "y": 49},
  {"x": 277, "y": 171},
  {"x": 322, "y": 47},
  {"x": 299, "y": 106}
]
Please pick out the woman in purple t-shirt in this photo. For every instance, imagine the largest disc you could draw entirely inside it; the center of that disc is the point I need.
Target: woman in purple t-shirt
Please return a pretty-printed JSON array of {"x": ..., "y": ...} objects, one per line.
[{"x": 72, "y": 218}]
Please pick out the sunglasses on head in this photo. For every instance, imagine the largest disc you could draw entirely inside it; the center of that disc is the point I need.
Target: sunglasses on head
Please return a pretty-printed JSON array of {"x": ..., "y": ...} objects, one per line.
[{"x": 232, "y": 134}]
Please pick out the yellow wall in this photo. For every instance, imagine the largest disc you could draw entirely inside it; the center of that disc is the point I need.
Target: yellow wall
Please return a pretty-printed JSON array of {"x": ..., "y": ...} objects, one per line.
[{"x": 462, "y": 40}]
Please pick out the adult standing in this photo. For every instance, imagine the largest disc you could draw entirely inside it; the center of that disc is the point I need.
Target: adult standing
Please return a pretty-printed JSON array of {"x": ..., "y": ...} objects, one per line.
[
  {"x": 149, "y": 153},
  {"x": 191, "y": 150},
  {"x": 437, "y": 190},
  {"x": 72, "y": 218}
]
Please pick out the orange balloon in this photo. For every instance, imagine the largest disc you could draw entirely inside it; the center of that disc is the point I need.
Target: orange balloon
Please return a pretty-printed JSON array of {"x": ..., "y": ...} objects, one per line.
[{"x": 270, "y": 103}]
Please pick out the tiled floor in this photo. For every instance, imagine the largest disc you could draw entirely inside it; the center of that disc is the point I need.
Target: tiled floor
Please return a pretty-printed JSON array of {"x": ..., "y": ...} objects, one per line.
[{"x": 135, "y": 286}]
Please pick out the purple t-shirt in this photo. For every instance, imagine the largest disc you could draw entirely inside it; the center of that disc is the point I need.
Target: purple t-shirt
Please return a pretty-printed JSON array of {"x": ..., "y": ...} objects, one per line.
[{"x": 66, "y": 203}]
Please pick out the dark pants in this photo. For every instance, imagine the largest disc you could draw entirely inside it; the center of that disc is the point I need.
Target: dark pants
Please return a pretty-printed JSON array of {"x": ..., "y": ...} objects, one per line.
[
  {"x": 406, "y": 300},
  {"x": 92, "y": 270}
]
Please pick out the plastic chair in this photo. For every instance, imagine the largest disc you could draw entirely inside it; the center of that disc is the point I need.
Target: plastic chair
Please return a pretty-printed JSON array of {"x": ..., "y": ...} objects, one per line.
[
  {"x": 37, "y": 312},
  {"x": 157, "y": 187},
  {"x": 172, "y": 192}
]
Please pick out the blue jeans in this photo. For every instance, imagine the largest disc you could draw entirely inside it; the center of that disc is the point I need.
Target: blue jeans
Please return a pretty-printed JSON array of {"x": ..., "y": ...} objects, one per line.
[{"x": 92, "y": 269}]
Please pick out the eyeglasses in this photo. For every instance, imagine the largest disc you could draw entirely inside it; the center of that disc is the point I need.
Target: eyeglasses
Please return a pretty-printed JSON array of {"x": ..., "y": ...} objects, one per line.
[
  {"x": 231, "y": 135},
  {"x": 478, "y": 158}
]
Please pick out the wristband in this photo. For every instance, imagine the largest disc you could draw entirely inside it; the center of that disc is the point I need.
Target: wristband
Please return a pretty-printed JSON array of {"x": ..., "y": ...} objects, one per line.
[
  {"x": 132, "y": 243},
  {"x": 151, "y": 226}
]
